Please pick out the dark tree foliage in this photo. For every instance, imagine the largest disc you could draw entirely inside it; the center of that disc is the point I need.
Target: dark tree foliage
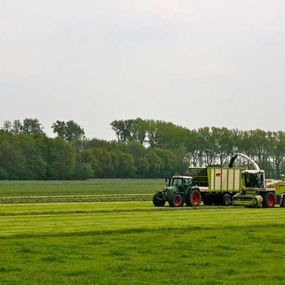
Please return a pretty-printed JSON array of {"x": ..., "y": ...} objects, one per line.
[
  {"x": 61, "y": 160},
  {"x": 28, "y": 126},
  {"x": 69, "y": 131},
  {"x": 143, "y": 149},
  {"x": 32, "y": 126}
]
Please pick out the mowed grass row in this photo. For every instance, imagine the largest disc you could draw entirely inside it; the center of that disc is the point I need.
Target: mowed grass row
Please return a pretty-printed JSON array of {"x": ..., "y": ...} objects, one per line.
[
  {"x": 99, "y": 190},
  {"x": 75, "y": 208},
  {"x": 82, "y": 218},
  {"x": 169, "y": 246},
  {"x": 69, "y": 198},
  {"x": 124, "y": 221},
  {"x": 88, "y": 187},
  {"x": 89, "y": 207}
]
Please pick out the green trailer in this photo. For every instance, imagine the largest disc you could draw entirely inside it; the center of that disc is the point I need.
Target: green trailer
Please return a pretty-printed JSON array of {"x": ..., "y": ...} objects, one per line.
[{"x": 217, "y": 184}]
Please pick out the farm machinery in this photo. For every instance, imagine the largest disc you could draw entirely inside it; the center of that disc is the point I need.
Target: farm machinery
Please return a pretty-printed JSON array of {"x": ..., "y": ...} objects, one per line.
[
  {"x": 222, "y": 186},
  {"x": 179, "y": 189},
  {"x": 256, "y": 191},
  {"x": 212, "y": 185}
]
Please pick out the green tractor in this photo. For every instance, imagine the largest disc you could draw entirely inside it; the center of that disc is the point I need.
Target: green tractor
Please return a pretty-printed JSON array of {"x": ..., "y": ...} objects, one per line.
[{"x": 178, "y": 190}]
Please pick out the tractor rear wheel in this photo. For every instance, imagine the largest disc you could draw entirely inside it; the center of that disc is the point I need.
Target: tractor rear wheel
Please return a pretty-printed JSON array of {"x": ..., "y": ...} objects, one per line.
[
  {"x": 227, "y": 199},
  {"x": 269, "y": 200},
  {"x": 193, "y": 198},
  {"x": 158, "y": 200},
  {"x": 176, "y": 200}
]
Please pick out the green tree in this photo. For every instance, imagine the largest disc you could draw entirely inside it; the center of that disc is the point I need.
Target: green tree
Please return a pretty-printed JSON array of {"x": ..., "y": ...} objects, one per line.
[
  {"x": 12, "y": 160},
  {"x": 169, "y": 163},
  {"x": 7, "y": 126},
  {"x": 259, "y": 146},
  {"x": 206, "y": 146},
  {"x": 17, "y": 127},
  {"x": 143, "y": 166},
  {"x": 121, "y": 129},
  {"x": 69, "y": 131},
  {"x": 61, "y": 159},
  {"x": 123, "y": 164},
  {"x": 36, "y": 164},
  {"x": 277, "y": 151},
  {"x": 32, "y": 126},
  {"x": 222, "y": 143},
  {"x": 154, "y": 163},
  {"x": 192, "y": 149},
  {"x": 86, "y": 164},
  {"x": 105, "y": 168}
]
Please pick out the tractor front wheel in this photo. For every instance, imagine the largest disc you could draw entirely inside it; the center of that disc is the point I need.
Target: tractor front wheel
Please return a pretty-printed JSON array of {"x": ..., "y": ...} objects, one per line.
[
  {"x": 193, "y": 198},
  {"x": 158, "y": 200},
  {"x": 269, "y": 200},
  {"x": 176, "y": 200}
]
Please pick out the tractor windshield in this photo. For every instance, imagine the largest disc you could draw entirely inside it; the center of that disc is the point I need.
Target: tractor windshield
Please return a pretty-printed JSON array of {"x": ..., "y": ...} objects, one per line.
[
  {"x": 177, "y": 181},
  {"x": 253, "y": 180}
]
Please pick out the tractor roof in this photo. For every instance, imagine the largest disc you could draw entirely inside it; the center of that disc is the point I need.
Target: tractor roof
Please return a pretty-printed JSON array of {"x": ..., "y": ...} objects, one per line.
[
  {"x": 252, "y": 171},
  {"x": 182, "y": 176}
]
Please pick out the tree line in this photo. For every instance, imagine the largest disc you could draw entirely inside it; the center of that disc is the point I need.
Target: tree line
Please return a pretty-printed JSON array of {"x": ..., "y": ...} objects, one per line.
[{"x": 143, "y": 149}]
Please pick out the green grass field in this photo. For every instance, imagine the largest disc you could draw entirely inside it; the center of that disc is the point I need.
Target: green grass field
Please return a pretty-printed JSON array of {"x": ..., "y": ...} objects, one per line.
[
  {"x": 128, "y": 241},
  {"x": 79, "y": 191},
  {"x": 96, "y": 186}
]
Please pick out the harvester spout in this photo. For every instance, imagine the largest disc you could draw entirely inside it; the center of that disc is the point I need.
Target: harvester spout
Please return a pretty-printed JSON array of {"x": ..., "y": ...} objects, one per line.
[{"x": 234, "y": 157}]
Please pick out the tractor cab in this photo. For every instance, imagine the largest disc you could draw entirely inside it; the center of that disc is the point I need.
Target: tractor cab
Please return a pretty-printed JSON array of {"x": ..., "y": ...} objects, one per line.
[
  {"x": 179, "y": 181},
  {"x": 253, "y": 179}
]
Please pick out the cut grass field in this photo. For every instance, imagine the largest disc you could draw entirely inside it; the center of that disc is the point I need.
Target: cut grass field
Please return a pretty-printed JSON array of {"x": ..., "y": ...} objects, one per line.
[
  {"x": 79, "y": 191},
  {"x": 132, "y": 242},
  {"x": 96, "y": 186}
]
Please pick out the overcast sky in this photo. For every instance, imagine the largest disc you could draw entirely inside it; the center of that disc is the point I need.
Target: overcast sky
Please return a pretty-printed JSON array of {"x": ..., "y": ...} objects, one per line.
[{"x": 195, "y": 63}]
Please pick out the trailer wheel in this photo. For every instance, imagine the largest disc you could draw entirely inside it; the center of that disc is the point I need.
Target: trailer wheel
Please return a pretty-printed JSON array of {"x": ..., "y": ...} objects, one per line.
[
  {"x": 227, "y": 199},
  {"x": 269, "y": 200},
  {"x": 176, "y": 200},
  {"x": 283, "y": 202},
  {"x": 193, "y": 198},
  {"x": 158, "y": 200}
]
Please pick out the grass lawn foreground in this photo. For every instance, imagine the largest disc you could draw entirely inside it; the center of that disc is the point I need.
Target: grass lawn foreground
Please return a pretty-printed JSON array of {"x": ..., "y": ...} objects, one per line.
[{"x": 131, "y": 242}]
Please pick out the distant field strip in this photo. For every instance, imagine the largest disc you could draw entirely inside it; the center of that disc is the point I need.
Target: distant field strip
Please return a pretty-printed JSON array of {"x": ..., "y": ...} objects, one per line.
[
  {"x": 88, "y": 207},
  {"x": 100, "y": 190},
  {"x": 75, "y": 198},
  {"x": 69, "y": 208},
  {"x": 75, "y": 188},
  {"x": 110, "y": 218}
]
